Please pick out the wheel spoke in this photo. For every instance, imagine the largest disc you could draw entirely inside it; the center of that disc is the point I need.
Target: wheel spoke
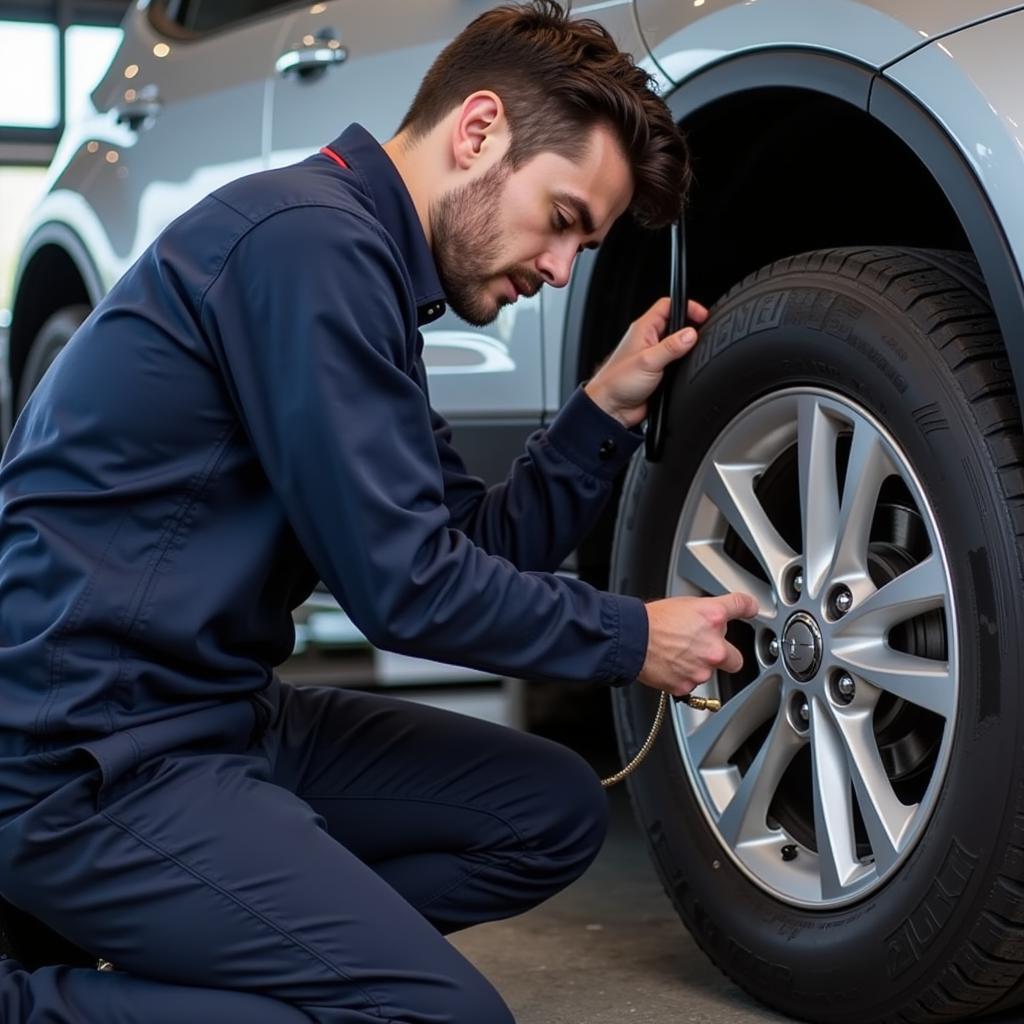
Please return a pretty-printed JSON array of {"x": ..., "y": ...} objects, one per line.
[
  {"x": 833, "y": 803},
  {"x": 925, "y": 682},
  {"x": 866, "y": 469},
  {"x": 885, "y": 817},
  {"x": 919, "y": 589},
  {"x": 745, "y": 817},
  {"x": 704, "y": 564},
  {"x": 719, "y": 736},
  {"x": 731, "y": 488},
  {"x": 819, "y": 500}
]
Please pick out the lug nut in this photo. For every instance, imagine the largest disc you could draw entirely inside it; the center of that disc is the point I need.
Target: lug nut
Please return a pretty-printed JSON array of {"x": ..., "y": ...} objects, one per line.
[
  {"x": 773, "y": 647},
  {"x": 798, "y": 583},
  {"x": 846, "y": 686},
  {"x": 805, "y": 712},
  {"x": 842, "y": 601}
]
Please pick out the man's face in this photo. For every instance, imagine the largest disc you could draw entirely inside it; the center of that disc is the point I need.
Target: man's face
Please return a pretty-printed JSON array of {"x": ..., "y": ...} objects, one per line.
[{"x": 507, "y": 233}]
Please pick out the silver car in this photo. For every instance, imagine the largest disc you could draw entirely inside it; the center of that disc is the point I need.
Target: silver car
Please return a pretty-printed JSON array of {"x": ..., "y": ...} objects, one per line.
[{"x": 845, "y": 838}]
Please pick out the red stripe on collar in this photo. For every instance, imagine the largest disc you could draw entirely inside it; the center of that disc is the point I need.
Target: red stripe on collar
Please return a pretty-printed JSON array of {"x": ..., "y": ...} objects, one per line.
[{"x": 334, "y": 156}]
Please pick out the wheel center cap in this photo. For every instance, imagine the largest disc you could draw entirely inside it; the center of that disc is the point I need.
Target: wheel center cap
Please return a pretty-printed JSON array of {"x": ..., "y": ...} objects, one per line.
[{"x": 801, "y": 646}]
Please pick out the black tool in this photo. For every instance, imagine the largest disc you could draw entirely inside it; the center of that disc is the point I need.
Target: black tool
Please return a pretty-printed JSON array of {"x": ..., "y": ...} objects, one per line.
[{"x": 657, "y": 406}]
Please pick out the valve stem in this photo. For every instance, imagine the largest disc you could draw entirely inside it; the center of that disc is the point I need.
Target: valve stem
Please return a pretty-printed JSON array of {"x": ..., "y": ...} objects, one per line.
[{"x": 702, "y": 703}]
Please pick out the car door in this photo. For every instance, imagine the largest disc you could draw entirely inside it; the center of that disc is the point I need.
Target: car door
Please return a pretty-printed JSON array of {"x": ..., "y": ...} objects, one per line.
[
  {"x": 362, "y": 60},
  {"x": 183, "y": 104}
]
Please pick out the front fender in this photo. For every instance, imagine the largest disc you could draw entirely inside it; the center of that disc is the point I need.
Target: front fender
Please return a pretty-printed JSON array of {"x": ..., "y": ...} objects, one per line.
[{"x": 959, "y": 104}]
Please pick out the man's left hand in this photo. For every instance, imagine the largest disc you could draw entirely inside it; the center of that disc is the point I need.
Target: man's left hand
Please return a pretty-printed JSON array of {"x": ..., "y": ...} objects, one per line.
[{"x": 628, "y": 377}]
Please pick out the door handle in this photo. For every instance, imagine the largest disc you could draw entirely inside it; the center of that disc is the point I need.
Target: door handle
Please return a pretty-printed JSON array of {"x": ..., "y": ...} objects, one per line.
[
  {"x": 313, "y": 57},
  {"x": 135, "y": 114}
]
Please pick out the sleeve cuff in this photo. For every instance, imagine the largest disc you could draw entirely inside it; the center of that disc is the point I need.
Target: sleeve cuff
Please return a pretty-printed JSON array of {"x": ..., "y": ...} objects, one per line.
[
  {"x": 632, "y": 646},
  {"x": 586, "y": 435}
]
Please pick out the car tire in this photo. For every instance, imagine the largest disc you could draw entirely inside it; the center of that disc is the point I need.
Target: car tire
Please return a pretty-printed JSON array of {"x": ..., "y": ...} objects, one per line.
[
  {"x": 753, "y": 825},
  {"x": 51, "y": 338}
]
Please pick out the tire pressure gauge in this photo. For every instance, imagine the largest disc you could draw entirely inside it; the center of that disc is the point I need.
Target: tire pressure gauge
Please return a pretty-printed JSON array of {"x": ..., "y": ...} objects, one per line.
[{"x": 654, "y": 436}]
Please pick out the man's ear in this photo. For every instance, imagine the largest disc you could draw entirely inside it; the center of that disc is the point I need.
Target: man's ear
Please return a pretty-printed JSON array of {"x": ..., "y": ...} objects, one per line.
[{"x": 480, "y": 130}]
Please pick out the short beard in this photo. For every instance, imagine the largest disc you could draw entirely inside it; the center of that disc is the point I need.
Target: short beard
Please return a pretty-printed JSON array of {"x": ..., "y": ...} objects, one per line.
[{"x": 465, "y": 242}]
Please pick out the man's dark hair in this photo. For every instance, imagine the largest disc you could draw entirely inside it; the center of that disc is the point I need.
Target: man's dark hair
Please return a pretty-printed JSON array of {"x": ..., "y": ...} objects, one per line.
[{"x": 558, "y": 78}]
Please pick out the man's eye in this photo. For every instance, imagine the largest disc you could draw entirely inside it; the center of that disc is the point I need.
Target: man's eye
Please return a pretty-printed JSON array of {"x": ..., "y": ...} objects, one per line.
[{"x": 561, "y": 224}]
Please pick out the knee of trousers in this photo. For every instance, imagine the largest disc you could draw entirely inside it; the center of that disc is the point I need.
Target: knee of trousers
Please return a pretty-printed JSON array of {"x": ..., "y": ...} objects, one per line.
[
  {"x": 473, "y": 1002},
  {"x": 460, "y": 996},
  {"x": 572, "y": 814}
]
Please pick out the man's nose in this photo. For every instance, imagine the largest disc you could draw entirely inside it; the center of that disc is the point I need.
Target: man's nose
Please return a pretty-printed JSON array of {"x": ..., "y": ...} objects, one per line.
[{"x": 556, "y": 267}]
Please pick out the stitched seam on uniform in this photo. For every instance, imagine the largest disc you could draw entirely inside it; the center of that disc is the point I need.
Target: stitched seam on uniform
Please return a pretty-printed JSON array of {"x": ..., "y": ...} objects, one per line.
[
  {"x": 445, "y": 890},
  {"x": 183, "y": 518},
  {"x": 250, "y": 910},
  {"x": 60, "y": 640},
  {"x": 192, "y": 493},
  {"x": 233, "y": 209},
  {"x": 434, "y": 803}
]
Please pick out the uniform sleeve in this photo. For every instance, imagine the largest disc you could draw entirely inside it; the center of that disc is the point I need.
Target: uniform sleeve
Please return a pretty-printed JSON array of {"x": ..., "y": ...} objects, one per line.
[
  {"x": 554, "y": 492},
  {"x": 310, "y": 322}
]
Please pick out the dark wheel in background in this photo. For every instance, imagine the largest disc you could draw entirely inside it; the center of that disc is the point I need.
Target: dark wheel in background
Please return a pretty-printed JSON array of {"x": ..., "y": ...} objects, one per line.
[
  {"x": 52, "y": 337},
  {"x": 845, "y": 838}
]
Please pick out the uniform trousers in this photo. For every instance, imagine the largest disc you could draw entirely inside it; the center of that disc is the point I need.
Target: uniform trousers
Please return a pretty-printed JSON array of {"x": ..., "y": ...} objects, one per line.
[{"x": 309, "y": 874}]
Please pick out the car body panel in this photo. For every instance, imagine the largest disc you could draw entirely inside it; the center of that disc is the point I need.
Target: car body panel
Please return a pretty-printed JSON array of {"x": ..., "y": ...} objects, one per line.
[
  {"x": 154, "y": 176},
  {"x": 970, "y": 84},
  {"x": 684, "y": 36}
]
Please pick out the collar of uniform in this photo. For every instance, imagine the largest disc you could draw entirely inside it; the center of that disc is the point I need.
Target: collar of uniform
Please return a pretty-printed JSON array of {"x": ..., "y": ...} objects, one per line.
[{"x": 396, "y": 211}]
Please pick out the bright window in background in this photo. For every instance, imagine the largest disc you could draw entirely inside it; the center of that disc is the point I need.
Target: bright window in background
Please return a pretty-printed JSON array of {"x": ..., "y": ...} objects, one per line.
[
  {"x": 28, "y": 74},
  {"x": 88, "y": 51},
  {"x": 29, "y": 59}
]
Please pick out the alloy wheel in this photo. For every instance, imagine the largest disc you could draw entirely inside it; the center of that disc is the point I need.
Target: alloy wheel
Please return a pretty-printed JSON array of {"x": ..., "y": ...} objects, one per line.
[{"x": 822, "y": 769}]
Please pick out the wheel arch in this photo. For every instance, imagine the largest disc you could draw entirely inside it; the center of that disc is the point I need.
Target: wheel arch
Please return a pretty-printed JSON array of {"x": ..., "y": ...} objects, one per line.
[
  {"x": 879, "y": 167},
  {"x": 55, "y": 271}
]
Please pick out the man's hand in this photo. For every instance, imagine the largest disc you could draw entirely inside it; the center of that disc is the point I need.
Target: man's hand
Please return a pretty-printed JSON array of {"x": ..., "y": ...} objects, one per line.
[
  {"x": 686, "y": 640},
  {"x": 627, "y": 378}
]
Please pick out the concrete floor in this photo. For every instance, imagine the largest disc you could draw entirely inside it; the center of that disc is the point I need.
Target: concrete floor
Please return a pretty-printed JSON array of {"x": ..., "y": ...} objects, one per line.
[
  {"x": 611, "y": 950},
  {"x": 607, "y": 950}
]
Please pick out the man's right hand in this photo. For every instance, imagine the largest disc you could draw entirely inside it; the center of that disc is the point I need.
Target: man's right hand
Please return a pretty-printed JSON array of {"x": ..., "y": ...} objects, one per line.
[{"x": 686, "y": 640}]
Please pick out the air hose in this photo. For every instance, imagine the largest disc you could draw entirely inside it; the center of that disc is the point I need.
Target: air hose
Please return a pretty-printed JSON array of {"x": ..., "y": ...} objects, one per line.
[{"x": 699, "y": 703}]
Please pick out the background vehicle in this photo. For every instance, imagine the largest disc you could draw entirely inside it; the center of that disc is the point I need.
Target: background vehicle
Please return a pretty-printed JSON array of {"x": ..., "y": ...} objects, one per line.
[{"x": 844, "y": 838}]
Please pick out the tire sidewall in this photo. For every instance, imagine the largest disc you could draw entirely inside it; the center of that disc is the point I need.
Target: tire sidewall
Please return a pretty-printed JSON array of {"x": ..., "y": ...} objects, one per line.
[
  {"x": 51, "y": 338},
  {"x": 821, "y": 330}
]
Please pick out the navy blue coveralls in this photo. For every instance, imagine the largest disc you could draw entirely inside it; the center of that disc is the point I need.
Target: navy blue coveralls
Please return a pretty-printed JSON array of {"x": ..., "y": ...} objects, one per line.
[{"x": 245, "y": 413}]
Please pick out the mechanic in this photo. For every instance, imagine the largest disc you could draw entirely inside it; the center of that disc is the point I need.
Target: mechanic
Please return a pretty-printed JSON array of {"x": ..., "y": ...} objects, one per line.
[{"x": 246, "y": 413}]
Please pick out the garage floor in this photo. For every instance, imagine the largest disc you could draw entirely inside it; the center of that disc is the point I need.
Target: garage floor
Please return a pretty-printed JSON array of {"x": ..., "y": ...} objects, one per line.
[{"x": 610, "y": 950}]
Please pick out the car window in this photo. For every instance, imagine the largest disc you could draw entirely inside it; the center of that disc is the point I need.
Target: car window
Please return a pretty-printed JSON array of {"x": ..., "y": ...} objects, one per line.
[{"x": 199, "y": 16}]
